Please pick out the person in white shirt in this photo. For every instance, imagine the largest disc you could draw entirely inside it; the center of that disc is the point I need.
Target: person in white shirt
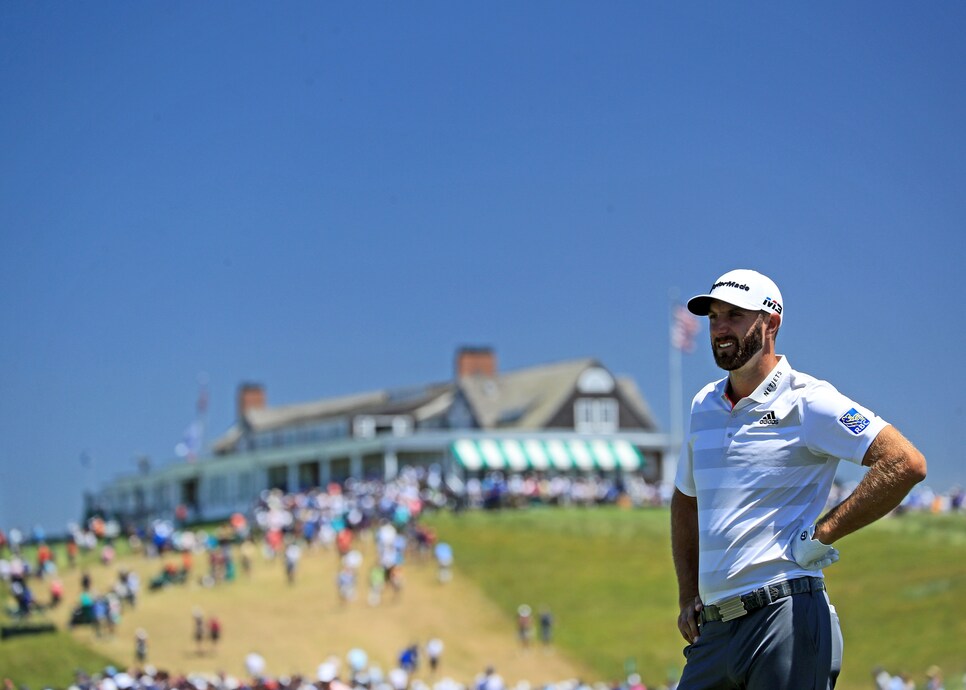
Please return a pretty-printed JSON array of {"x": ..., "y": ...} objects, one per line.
[{"x": 757, "y": 465}]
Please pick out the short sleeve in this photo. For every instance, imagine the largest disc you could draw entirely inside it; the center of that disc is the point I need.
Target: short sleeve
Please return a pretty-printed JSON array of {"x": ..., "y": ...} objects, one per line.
[
  {"x": 684, "y": 477},
  {"x": 836, "y": 426}
]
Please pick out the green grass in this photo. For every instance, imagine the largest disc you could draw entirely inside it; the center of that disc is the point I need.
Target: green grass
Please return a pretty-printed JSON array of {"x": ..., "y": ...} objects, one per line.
[
  {"x": 607, "y": 575},
  {"x": 900, "y": 590},
  {"x": 41, "y": 660},
  {"x": 48, "y": 660}
]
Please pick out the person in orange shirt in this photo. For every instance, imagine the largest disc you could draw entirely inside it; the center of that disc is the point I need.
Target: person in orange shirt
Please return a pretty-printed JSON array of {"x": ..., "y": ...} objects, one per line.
[
  {"x": 343, "y": 541},
  {"x": 56, "y": 592},
  {"x": 186, "y": 562},
  {"x": 71, "y": 552},
  {"x": 44, "y": 556}
]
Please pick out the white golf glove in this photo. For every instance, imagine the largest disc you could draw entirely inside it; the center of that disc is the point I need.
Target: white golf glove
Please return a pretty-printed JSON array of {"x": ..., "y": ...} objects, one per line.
[{"x": 809, "y": 552}]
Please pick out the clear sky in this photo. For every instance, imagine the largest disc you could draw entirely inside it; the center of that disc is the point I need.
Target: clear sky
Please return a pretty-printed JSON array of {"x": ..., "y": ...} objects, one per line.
[{"x": 331, "y": 197}]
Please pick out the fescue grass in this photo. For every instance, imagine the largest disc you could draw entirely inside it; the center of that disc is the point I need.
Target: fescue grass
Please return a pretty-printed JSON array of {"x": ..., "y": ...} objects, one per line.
[{"x": 607, "y": 575}]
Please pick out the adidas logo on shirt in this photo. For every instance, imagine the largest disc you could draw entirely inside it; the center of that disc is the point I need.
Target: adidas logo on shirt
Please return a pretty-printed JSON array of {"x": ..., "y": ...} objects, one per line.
[{"x": 769, "y": 419}]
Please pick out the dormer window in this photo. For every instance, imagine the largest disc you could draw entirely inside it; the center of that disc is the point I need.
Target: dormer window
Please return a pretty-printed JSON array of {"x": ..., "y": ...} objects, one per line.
[
  {"x": 401, "y": 426},
  {"x": 367, "y": 426},
  {"x": 364, "y": 427},
  {"x": 595, "y": 415},
  {"x": 595, "y": 381}
]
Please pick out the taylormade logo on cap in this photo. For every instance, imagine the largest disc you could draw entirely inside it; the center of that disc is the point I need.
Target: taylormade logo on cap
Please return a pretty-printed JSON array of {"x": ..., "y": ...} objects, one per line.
[
  {"x": 730, "y": 283},
  {"x": 743, "y": 288}
]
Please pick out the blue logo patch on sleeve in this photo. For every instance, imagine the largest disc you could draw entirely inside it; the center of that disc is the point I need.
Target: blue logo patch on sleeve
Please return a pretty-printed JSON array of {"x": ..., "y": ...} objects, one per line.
[{"x": 854, "y": 421}]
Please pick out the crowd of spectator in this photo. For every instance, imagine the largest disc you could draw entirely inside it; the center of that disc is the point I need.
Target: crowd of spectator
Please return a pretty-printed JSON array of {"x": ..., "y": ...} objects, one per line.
[
  {"x": 903, "y": 681},
  {"x": 922, "y": 499},
  {"x": 330, "y": 675}
]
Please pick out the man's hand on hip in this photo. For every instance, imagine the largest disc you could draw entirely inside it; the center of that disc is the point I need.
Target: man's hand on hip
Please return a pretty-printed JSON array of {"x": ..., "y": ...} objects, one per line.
[
  {"x": 809, "y": 552},
  {"x": 688, "y": 620}
]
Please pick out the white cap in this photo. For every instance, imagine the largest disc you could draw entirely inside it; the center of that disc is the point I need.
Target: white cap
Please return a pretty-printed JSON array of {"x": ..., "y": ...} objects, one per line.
[
  {"x": 326, "y": 672},
  {"x": 743, "y": 288}
]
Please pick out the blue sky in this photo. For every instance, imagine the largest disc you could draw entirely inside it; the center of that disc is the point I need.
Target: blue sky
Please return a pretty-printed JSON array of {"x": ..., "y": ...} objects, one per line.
[{"x": 331, "y": 197}]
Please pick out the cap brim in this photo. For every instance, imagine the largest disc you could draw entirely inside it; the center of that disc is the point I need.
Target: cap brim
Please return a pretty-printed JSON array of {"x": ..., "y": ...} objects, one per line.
[{"x": 699, "y": 305}]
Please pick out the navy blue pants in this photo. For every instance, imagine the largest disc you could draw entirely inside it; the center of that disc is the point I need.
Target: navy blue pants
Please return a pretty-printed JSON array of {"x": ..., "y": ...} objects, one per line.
[{"x": 793, "y": 644}]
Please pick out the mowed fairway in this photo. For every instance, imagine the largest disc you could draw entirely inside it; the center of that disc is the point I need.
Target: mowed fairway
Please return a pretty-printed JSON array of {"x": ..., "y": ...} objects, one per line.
[{"x": 296, "y": 627}]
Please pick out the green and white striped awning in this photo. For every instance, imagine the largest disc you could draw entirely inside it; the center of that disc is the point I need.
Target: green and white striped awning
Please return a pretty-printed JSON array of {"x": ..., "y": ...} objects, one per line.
[{"x": 525, "y": 454}]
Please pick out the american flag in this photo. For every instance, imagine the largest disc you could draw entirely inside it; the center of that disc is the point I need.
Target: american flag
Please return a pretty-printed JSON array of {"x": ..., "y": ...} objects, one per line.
[
  {"x": 684, "y": 326},
  {"x": 190, "y": 445}
]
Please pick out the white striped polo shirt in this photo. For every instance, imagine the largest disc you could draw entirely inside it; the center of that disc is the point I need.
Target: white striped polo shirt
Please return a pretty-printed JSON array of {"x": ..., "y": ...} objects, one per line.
[{"x": 761, "y": 470}]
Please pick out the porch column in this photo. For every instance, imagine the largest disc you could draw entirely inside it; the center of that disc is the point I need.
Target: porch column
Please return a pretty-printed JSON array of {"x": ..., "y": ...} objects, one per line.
[{"x": 390, "y": 463}]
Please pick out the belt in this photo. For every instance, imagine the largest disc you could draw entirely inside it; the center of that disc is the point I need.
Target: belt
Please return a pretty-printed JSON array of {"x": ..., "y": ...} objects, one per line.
[{"x": 738, "y": 605}]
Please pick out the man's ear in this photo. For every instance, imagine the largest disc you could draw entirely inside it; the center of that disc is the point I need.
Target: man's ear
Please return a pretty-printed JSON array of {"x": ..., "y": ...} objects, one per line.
[{"x": 774, "y": 323}]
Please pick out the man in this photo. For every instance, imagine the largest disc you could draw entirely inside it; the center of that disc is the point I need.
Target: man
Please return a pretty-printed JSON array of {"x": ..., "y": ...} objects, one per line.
[{"x": 755, "y": 473}]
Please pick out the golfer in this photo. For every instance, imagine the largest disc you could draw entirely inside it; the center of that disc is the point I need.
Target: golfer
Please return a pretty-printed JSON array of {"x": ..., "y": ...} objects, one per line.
[{"x": 755, "y": 473}]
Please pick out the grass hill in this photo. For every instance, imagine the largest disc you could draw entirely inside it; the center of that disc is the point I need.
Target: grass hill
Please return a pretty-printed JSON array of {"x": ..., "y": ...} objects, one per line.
[
  {"x": 606, "y": 575},
  {"x": 899, "y": 588}
]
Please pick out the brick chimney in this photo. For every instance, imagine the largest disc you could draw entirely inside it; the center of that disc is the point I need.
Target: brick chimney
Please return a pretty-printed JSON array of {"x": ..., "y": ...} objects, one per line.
[
  {"x": 251, "y": 396},
  {"x": 475, "y": 361}
]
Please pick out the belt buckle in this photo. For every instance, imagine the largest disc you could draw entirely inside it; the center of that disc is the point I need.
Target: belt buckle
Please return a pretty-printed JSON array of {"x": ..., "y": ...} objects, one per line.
[{"x": 732, "y": 608}]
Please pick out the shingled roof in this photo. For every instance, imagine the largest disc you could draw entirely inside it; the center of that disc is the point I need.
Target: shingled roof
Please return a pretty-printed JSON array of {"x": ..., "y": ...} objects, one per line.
[{"x": 523, "y": 399}]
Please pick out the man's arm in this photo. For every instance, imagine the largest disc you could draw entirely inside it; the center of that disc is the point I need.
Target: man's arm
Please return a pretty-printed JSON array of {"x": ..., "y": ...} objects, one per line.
[
  {"x": 895, "y": 466},
  {"x": 684, "y": 549}
]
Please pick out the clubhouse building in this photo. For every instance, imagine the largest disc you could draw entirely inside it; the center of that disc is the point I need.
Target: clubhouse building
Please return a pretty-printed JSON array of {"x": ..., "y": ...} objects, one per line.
[{"x": 571, "y": 417}]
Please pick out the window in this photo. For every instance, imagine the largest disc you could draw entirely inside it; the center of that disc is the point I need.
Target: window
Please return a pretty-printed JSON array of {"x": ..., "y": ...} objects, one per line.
[
  {"x": 308, "y": 475},
  {"x": 339, "y": 470},
  {"x": 245, "y": 488},
  {"x": 218, "y": 490},
  {"x": 595, "y": 380},
  {"x": 460, "y": 416},
  {"x": 373, "y": 467},
  {"x": 264, "y": 439},
  {"x": 278, "y": 477},
  {"x": 160, "y": 500},
  {"x": 595, "y": 415},
  {"x": 401, "y": 426},
  {"x": 368, "y": 426},
  {"x": 364, "y": 427}
]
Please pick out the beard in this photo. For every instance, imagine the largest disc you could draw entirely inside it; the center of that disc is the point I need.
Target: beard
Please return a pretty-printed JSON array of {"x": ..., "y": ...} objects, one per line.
[{"x": 744, "y": 349}]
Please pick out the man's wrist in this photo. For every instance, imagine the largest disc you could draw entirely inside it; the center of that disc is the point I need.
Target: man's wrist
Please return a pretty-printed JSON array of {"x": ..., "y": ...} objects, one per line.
[
  {"x": 687, "y": 600},
  {"x": 822, "y": 534}
]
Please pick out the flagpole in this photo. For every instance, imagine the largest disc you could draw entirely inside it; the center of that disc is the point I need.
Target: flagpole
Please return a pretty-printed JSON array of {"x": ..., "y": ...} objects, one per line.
[
  {"x": 681, "y": 331},
  {"x": 90, "y": 483},
  {"x": 674, "y": 378},
  {"x": 202, "y": 409}
]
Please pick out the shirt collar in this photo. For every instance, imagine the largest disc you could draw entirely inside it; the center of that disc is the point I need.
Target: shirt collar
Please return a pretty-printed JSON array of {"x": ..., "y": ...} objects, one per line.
[
  {"x": 776, "y": 380},
  {"x": 767, "y": 390}
]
